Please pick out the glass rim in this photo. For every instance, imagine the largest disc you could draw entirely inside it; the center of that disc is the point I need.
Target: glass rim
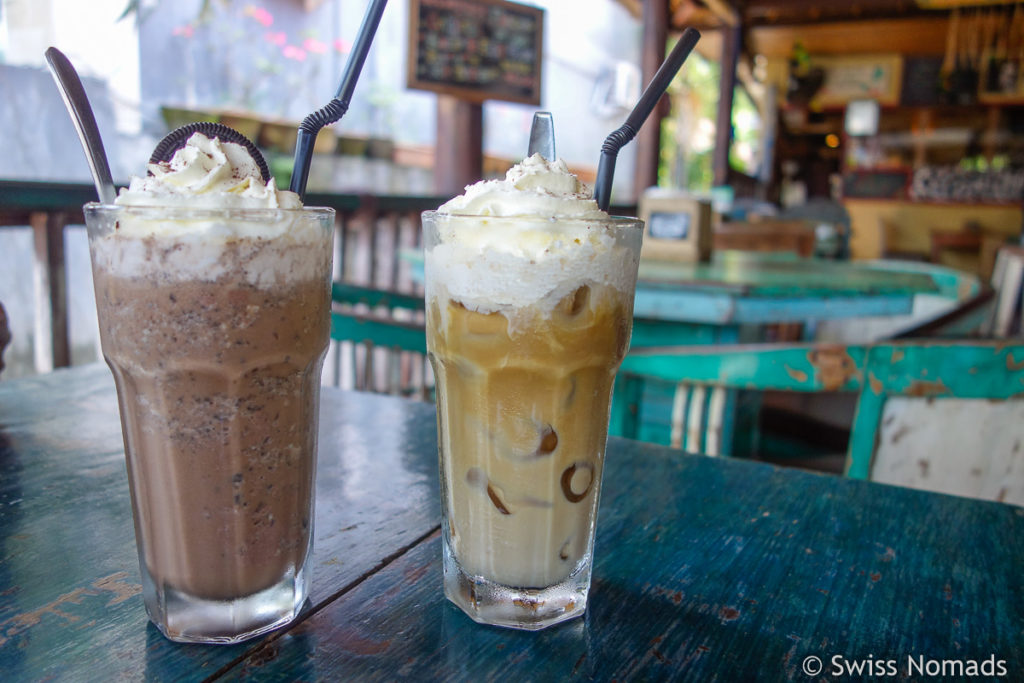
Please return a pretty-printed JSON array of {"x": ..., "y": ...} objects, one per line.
[
  {"x": 202, "y": 211},
  {"x": 434, "y": 213}
]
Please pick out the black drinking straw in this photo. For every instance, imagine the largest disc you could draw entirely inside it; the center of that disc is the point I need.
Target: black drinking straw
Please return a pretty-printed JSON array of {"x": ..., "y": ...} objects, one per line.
[
  {"x": 336, "y": 108},
  {"x": 627, "y": 131}
]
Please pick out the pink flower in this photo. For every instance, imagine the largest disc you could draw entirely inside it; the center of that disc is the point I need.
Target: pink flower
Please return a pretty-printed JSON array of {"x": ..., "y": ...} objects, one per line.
[
  {"x": 262, "y": 16},
  {"x": 292, "y": 52},
  {"x": 342, "y": 46},
  {"x": 313, "y": 45},
  {"x": 185, "y": 31},
  {"x": 279, "y": 38}
]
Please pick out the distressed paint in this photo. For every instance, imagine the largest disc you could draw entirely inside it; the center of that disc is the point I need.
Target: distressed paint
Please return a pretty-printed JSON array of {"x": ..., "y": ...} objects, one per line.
[
  {"x": 1012, "y": 364},
  {"x": 951, "y": 283},
  {"x": 936, "y": 369},
  {"x": 834, "y": 366},
  {"x": 797, "y": 375},
  {"x": 706, "y": 568},
  {"x": 70, "y": 607},
  {"x": 765, "y": 274},
  {"x": 978, "y": 452},
  {"x": 721, "y": 308}
]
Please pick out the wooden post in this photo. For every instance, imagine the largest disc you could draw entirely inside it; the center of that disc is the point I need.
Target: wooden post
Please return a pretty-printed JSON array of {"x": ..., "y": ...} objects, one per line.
[
  {"x": 52, "y": 346},
  {"x": 648, "y": 139},
  {"x": 923, "y": 123},
  {"x": 458, "y": 157},
  {"x": 731, "y": 45},
  {"x": 990, "y": 138}
]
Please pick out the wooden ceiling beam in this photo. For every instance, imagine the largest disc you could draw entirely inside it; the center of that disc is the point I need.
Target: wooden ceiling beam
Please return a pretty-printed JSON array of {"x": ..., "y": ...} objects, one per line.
[
  {"x": 724, "y": 10},
  {"x": 920, "y": 36},
  {"x": 787, "y": 12},
  {"x": 687, "y": 14}
]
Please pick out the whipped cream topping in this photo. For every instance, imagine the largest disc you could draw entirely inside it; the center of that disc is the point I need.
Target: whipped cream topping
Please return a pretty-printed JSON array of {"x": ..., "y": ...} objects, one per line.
[
  {"x": 527, "y": 241},
  {"x": 207, "y": 214},
  {"x": 207, "y": 173},
  {"x": 535, "y": 187}
]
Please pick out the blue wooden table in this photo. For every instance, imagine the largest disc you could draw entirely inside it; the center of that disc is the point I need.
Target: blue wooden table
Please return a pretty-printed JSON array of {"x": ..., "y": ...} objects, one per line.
[
  {"x": 707, "y": 568},
  {"x": 731, "y": 297},
  {"x": 734, "y": 295}
]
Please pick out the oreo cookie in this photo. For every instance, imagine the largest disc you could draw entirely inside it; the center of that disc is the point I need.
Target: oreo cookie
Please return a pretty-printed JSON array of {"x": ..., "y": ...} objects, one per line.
[{"x": 177, "y": 138}]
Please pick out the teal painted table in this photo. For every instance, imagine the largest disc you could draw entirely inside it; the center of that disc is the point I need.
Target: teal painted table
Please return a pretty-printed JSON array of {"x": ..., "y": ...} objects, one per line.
[
  {"x": 707, "y": 568},
  {"x": 733, "y": 296}
]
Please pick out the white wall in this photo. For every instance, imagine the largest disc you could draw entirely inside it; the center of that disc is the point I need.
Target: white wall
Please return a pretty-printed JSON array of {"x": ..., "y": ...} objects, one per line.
[{"x": 87, "y": 31}]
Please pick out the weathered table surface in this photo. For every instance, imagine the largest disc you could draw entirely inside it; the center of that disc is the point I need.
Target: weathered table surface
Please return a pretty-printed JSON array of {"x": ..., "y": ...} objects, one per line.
[
  {"x": 769, "y": 287},
  {"x": 736, "y": 294},
  {"x": 707, "y": 569}
]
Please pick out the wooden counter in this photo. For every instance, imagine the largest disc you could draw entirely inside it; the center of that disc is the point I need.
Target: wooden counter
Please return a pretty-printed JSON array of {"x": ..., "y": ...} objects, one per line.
[{"x": 910, "y": 225}]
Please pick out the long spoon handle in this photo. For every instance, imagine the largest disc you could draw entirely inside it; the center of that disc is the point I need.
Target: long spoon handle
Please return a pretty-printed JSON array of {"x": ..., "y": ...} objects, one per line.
[{"x": 75, "y": 99}]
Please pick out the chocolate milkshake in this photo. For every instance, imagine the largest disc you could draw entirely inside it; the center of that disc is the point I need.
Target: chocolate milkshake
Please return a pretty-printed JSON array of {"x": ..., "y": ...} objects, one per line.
[
  {"x": 529, "y": 311},
  {"x": 213, "y": 295}
]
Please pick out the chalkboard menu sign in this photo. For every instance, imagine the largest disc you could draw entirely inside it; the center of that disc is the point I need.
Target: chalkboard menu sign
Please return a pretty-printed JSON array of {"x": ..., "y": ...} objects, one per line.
[
  {"x": 877, "y": 184},
  {"x": 922, "y": 81},
  {"x": 476, "y": 49}
]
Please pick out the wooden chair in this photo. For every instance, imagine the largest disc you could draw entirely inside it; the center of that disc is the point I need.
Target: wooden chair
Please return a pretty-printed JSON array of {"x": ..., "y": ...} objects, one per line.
[
  {"x": 966, "y": 320},
  {"x": 379, "y": 343},
  {"x": 5, "y": 335},
  {"x": 766, "y": 235},
  {"x": 1008, "y": 282},
  {"x": 892, "y": 439},
  {"x": 958, "y": 309}
]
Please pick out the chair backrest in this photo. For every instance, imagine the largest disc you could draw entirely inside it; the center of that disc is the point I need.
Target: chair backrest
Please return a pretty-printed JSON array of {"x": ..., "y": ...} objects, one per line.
[
  {"x": 966, "y": 319},
  {"x": 1008, "y": 282},
  {"x": 959, "y": 308},
  {"x": 886, "y": 377},
  {"x": 379, "y": 343},
  {"x": 766, "y": 235}
]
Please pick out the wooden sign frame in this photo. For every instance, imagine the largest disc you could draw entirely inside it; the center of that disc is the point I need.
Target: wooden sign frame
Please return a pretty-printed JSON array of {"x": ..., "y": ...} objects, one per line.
[
  {"x": 858, "y": 77},
  {"x": 464, "y": 88},
  {"x": 676, "y": 228}
]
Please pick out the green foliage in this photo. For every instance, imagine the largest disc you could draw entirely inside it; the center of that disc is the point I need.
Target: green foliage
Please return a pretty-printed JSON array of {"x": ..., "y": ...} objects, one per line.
[
  {"x": 686, "y": 150},
  {"x": 688, "y": 134}
]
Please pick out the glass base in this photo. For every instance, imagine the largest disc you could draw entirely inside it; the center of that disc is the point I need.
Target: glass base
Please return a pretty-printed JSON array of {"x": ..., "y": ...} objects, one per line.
[
  {"x": 529, "y": 609},
  {"x": 187, "y": 619}
]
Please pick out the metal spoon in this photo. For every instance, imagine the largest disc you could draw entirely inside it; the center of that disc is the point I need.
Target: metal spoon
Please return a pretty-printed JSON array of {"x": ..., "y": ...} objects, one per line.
[
  {"x": 75, "y": 99},
  {"x": 542, "y": 136}
]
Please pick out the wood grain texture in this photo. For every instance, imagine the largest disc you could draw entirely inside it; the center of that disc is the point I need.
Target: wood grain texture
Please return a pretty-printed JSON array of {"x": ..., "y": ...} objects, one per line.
[
  {"x": 707, "y": 569},
  {"x": 70, "y": 601}
]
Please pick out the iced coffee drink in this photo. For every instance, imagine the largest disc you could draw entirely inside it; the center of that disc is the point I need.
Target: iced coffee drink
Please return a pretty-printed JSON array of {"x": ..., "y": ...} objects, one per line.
[
  {"x": 529, "y": 311},
  {"x": 213, "y": 294}
]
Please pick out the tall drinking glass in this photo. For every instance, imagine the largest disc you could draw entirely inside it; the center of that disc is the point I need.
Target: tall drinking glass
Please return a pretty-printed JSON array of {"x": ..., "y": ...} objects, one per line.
[
  {"x": 215, "y": 324},
  {"x": 525, "y": 337}
]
